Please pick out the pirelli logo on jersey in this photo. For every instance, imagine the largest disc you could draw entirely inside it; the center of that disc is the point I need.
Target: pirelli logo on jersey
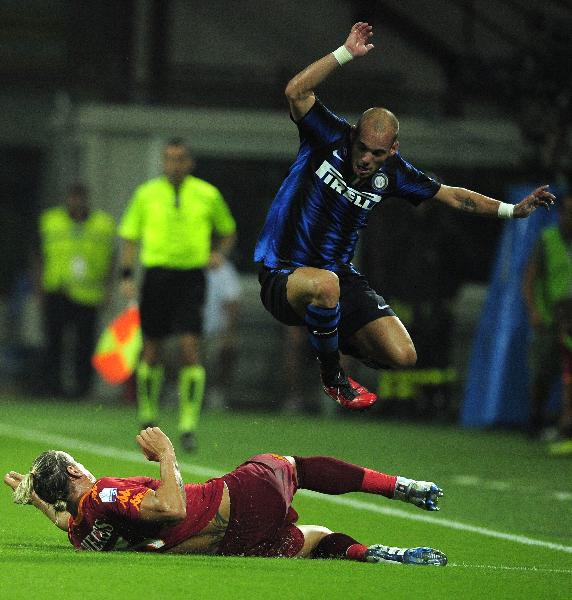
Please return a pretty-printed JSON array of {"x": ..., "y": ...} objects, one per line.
[{"x": 333, "y": 178}]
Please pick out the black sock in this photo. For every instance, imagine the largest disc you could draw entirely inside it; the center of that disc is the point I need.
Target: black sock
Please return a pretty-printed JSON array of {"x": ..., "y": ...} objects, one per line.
[
  {"x": 330, "y": 366},
  {"x": 322, "y": 323}
]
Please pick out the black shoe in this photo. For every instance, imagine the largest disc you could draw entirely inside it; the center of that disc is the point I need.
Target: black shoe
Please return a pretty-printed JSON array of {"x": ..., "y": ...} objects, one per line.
[{"x": 189, "y": 441}]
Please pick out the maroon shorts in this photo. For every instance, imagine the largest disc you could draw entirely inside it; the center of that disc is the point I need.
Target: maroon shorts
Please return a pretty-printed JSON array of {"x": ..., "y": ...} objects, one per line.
[{"x": 261, "y": 516}]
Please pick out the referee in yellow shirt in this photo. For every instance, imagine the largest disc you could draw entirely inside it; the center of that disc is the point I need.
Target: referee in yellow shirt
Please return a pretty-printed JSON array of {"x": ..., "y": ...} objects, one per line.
[{"x": 172, "y": 219}]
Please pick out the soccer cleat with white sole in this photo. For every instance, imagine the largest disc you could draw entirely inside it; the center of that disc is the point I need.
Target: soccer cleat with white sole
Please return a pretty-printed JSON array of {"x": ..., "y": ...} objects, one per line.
[
  {"x": 405, "y": 556},
  {"x": 424, "y": 494}
]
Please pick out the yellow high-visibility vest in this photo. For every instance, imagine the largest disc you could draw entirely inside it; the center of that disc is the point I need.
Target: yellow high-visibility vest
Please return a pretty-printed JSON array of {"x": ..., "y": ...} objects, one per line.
[
  {"x": 77, "y": 255},
  {"x": 556, "y": 282}
]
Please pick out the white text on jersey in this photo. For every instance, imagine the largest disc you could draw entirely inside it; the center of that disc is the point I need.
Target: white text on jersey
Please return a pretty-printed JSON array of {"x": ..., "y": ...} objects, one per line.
[{"x": 333, "y": 178}]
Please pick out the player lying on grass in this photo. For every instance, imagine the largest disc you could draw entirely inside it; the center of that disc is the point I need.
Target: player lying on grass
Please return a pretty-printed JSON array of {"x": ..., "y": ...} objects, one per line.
[{"x": 246, "y": 512}]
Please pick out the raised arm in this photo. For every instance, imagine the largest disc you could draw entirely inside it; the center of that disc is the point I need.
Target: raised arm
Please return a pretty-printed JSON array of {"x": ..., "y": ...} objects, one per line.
[
  {"x": 60, "y": 519},
  {"x": 478, "y": 204},
  {"x": 168, "y": 502},
  {"x": 300, "y": 89}
]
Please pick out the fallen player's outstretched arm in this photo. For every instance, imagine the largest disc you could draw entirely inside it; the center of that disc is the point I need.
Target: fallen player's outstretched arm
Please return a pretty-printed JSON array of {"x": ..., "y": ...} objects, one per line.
[{"x": 60, "y": 519}]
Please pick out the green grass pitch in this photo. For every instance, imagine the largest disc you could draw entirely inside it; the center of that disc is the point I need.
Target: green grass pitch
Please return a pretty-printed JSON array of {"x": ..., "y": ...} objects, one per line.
[{"x": 505, "y": 522}]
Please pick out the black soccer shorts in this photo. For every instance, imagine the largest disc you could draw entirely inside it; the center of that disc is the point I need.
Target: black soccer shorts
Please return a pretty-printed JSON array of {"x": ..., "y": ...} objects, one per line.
[
  {"x": 172, "y": 302},
  {"x": 359, "y": 303}
]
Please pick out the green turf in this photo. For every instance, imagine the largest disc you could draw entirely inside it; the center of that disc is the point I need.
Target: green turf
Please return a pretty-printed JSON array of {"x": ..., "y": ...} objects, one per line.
[{"x": 515, "y": 494}]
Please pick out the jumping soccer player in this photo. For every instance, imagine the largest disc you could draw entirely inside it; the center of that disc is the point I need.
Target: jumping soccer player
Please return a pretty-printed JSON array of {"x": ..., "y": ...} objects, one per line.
[
  {"x": 247, "y": 512},
  {"x": 308, "y": 241}
]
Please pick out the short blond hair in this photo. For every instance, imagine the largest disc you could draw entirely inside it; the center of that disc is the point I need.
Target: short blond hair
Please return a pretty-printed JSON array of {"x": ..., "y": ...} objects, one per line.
[{"x": 381, "y": 119}]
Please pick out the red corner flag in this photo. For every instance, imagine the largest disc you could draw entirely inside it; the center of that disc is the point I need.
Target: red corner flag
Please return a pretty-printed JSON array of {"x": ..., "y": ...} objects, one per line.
[{"x": 118, "y": 348}]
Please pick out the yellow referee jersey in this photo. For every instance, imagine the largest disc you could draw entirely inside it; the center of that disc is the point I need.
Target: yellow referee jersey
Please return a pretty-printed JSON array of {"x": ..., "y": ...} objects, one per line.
[{"x": 175, "y": 229}]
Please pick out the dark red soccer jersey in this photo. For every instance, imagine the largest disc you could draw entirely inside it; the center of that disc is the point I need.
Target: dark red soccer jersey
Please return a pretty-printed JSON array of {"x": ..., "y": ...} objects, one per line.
[{"x": 109, "y": 515}]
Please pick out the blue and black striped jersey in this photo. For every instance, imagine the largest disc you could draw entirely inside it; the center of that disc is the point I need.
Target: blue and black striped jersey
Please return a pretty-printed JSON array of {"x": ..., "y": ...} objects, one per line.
[{"x": 317, "y": 213}]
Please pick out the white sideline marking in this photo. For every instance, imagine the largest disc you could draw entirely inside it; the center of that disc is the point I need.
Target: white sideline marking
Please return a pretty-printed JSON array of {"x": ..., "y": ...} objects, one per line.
[
  {"x": 502, "y": 486},
  {"x": 65, "y": 443},
  {"x": 510, "y": 568},
  {"x": 425, "y": 518}
]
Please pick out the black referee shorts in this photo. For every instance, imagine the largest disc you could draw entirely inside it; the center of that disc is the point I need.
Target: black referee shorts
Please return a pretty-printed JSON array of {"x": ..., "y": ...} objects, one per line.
[
  {"x": 172, "y": 302},
  {"x": 359, "y": 304}
]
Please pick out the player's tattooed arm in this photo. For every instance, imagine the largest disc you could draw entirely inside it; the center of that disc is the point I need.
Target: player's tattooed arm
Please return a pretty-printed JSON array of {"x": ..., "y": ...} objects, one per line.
[
  {"x": 174, "y": 494},
  {"x": 468, "y": 201},
  {"x": 169, "y": 501},
  {"x": 179, "y": 478},
  {"x": 468, "y": 204}
]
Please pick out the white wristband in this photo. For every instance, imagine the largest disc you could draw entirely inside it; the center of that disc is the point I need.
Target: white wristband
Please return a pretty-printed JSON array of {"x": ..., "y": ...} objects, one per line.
[
  {"x": 505, "y": 210},
  {"x": 342, "y": 55}
]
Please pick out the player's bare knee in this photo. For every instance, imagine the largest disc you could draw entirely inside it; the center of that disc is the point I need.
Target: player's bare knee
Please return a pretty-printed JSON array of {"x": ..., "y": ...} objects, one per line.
[
  {"x": 313, "y": 535},
  {"x": 326, "y": 289},
  {"x": 405, "y": 356},
  {"x": 321, "y": 532}
]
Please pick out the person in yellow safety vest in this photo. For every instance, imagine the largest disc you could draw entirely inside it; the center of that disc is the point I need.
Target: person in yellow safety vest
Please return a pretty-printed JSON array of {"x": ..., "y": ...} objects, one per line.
[
  {"x": 172, "y": 219},
  {"x": 547, "y": 283},
  {"x": 75, "y": 263}
]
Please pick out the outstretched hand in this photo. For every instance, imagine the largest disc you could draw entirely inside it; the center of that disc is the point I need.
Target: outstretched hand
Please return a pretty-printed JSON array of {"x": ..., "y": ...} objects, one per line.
[
  {"x": 540, "y": 197},
  {"x": 357, "y": 42},
  {"x": 13, "y": 479},
  {"x": 154, "y": 444}
]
